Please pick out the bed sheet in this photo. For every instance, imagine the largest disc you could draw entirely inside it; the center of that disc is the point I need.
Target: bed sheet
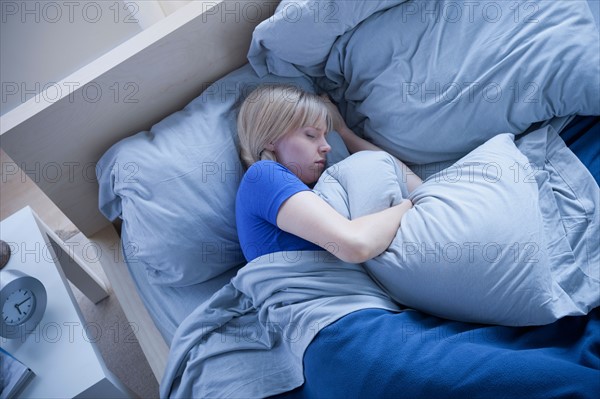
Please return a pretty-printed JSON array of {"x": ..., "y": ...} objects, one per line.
[{"x": 167, "y": 305}]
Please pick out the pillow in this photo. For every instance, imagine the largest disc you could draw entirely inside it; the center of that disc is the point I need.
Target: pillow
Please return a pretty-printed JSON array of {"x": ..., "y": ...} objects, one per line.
[
  {"x": 174, "y": 186},
  {"x": 482, "y": 245},
  {"x": 471, "y": 248},
  {"x": 485, "y": 240},
  {"x": 297, "y": 39},
  {"x": 430, "y": 81}
]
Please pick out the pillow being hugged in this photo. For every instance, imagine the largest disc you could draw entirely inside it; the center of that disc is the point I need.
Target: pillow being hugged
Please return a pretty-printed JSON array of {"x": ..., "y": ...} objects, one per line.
[
  {"x": 476, "y": 248},
  {"x": 506, "y": 235},
  {"x": 175, "y": 185}
]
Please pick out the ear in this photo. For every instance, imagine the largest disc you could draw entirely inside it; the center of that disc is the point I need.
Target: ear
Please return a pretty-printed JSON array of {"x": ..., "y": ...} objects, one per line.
[{"x": 270, "y": 146}]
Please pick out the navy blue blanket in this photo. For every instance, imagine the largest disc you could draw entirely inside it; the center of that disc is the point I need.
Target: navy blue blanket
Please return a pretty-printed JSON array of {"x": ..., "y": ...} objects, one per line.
[
  {"x": 376, "y": 353},
  {"x": 582, "y": 136}
]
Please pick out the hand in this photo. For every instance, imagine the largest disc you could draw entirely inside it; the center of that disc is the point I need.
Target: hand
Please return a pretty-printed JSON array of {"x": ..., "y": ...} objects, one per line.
[{"x": 339, "y": 125}]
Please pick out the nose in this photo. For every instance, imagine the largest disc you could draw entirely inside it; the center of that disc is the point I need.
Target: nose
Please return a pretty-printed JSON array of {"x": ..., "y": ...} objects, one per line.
[{"x": 324, "y": 147}]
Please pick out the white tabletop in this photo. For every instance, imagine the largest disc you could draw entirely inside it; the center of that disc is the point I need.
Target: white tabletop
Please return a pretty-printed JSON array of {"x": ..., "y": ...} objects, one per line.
[{"x": 60, "y": 351}]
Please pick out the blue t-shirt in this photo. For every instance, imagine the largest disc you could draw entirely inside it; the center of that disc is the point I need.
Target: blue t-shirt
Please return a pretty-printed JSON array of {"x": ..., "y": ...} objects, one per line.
[{"x": 266, "y": 185}]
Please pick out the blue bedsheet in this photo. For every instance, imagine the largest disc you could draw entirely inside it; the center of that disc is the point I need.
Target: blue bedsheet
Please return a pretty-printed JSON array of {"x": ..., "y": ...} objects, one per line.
[
  {"x": 582, "y": 136},
  {"x": 358, "y": 356}
]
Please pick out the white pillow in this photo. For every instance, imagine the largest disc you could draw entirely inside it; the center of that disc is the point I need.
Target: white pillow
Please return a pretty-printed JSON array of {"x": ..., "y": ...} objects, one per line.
[{"x": 484, "y": 241}]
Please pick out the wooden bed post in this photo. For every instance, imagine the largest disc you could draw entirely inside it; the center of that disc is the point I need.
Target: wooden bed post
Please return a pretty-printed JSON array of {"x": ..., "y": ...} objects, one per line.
[{"x": 156, "y": 350}]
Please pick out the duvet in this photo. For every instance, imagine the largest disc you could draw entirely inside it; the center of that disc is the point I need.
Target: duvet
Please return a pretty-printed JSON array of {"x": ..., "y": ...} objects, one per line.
[
  {"x": 431, "y": 80},
  {"x": 248, "y": 340}
]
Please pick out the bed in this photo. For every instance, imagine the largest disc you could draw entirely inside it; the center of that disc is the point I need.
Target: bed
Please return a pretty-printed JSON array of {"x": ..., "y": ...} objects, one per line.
[{"x": 168, "y": 263}]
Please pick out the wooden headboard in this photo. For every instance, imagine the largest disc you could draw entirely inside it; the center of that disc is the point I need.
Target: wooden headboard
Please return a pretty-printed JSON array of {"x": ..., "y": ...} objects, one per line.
[
  {"x": 58, "y": 139},
  {"x": 58, "y": 136}
]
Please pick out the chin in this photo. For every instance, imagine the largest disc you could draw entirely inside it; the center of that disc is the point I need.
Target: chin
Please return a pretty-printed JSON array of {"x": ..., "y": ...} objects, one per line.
[{"x": 312, "y": 180}]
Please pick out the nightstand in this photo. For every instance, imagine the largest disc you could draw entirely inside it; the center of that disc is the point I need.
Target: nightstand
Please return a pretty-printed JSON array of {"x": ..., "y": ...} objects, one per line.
[{"x": 61, "y": 350}]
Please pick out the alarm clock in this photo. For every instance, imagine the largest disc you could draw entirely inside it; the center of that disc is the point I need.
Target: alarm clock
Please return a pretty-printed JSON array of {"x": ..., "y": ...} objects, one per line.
[{"x": 22, "y": 303}]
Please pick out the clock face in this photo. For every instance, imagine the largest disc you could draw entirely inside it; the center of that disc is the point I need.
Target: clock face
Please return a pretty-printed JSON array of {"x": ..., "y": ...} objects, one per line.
[
  {"x": 23, "y": 301},
  {"x": 18, "y": 307}
]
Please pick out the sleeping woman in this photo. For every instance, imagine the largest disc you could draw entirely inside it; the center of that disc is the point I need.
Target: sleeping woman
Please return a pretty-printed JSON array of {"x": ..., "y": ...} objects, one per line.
[{"x": 283, "y": 139}]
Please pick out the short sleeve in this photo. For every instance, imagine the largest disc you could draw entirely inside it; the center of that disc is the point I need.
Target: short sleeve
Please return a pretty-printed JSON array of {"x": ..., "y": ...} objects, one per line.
[{"x": 266, "y": 186}]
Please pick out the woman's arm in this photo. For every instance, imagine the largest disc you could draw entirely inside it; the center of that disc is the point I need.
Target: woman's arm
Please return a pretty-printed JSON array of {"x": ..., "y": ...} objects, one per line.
[
  {"x": 308, "y": 216},
  {"x": 356, "y": 144}
]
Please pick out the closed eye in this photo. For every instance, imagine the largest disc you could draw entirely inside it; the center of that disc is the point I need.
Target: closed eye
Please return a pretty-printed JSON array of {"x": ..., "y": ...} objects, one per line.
[
  {"x": 314, "y": 133},
  {"x": 309, "y": 132}
]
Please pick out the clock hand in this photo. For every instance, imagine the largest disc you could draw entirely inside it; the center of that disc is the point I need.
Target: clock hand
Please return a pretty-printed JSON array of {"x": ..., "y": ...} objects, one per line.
[{"x": 19, "y": 304}]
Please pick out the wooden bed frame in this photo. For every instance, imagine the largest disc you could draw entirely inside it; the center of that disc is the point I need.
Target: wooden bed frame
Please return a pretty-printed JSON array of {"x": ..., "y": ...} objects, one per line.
[{"x": 58, "y": 141}]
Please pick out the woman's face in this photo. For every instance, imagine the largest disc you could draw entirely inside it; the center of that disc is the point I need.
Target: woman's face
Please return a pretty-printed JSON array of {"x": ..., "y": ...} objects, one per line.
[{"x": 303, "y": 152}]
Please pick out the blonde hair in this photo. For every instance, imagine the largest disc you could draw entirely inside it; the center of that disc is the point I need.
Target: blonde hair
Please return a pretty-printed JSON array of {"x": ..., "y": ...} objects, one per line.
[{"x": 271, "y": 111}]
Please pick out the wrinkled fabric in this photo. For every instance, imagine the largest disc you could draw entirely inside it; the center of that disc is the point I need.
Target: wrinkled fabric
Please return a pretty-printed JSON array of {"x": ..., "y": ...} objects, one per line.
[
  {"x": 506, "y": 235},
  {"x": 249, "y": 339}
]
